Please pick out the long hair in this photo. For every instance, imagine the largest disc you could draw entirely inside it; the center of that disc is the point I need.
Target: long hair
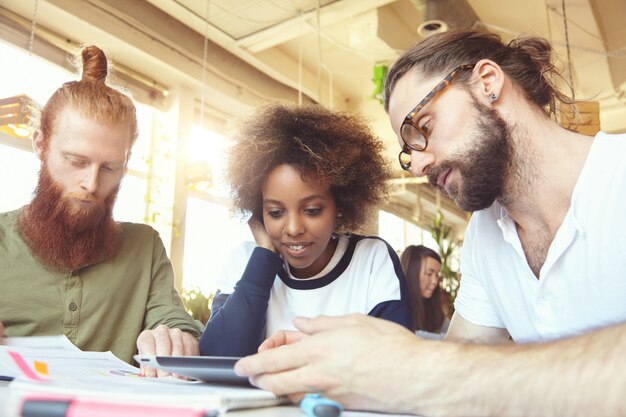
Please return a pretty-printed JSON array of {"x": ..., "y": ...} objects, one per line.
[
  {"x": 427, "y": 312},
  {"x": 527, "y": 60}
]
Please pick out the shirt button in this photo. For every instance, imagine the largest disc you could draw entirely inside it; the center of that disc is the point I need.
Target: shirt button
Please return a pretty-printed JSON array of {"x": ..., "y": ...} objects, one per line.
[{"x": 73, "y": 306}]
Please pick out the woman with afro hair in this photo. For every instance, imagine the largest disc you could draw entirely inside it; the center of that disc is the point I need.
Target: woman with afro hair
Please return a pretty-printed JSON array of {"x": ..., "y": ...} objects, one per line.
[{"x": 311, "y": 178}]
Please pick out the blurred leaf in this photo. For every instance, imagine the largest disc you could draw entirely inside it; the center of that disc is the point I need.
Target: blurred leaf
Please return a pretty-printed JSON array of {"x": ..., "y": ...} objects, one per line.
[
  {"x": 450, "y": 279},
  {"x": 197, "y": 304}
]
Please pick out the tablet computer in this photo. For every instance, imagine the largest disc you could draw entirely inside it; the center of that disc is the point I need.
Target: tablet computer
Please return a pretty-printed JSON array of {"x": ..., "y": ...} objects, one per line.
[{"x": 213, "y": 369}]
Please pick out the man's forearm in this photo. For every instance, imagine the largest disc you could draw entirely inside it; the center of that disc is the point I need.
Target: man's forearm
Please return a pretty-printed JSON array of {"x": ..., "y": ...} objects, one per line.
[{"x": 579, "y": 376}]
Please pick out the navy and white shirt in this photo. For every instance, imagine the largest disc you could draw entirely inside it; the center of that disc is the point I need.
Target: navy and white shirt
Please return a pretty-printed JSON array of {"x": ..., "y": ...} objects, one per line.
[{"x": 258, "y": 296}]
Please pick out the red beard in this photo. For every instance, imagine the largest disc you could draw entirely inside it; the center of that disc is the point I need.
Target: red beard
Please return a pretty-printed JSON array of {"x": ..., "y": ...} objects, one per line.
[{"x": 65, "y": 234}]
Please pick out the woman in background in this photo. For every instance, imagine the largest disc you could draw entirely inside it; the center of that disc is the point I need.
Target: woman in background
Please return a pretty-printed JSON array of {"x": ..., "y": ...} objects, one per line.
[
  {"x": 421, "y": 266},
  {"x": 311, "y": 178}
]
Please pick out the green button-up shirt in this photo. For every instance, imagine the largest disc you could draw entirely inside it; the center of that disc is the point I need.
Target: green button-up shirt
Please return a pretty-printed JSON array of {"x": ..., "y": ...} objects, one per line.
[{"x": 101, "y": 307}]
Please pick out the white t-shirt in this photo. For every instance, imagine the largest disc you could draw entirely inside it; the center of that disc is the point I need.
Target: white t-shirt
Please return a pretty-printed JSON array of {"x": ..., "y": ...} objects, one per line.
[
  {"x": 362, "y": 274},
  {"x": 582, "y": 284}
]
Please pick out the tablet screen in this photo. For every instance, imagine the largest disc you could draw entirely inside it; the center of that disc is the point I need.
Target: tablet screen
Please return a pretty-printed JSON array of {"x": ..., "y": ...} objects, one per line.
[{"x": 213, "y": 369}]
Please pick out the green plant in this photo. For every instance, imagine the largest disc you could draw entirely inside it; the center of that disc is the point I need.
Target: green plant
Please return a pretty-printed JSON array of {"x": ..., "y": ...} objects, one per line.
[
  {"x": 197, "y": 304},
  {"x": 450, "y": 279}
]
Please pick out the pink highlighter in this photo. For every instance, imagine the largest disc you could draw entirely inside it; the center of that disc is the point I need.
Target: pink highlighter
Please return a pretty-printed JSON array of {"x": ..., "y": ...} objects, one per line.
[{"x": 47, "y": 407}]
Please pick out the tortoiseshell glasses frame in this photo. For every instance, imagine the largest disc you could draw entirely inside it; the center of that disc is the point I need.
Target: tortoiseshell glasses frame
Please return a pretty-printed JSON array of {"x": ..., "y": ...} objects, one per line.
[{"x": 414, "y": 137}]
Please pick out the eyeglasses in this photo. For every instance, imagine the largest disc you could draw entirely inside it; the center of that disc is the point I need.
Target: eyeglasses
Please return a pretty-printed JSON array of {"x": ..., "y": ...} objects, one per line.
[{"x": 415, "y": 138}]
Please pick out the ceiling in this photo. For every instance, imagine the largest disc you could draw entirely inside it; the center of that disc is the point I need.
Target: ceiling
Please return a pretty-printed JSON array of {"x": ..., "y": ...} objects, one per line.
[
  {"x": 340, "y": 41},
  {"x": 321, "y": 51}
]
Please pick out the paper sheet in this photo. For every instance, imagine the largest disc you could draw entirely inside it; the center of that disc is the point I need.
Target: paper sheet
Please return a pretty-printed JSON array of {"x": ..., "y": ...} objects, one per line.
[
  {"x": 56, "y": 357},
  {"x": 53, "y": 367},
  {"x": 48, "y": 343}
]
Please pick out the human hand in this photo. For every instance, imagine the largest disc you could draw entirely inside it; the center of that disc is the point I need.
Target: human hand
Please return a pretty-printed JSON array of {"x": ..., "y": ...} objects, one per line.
[
  {"x": 362, "y": 362},
  {"x": 163, "y": 341},
  {"x": 281, "y": 338},
  {"x": 261, "y": 237}
]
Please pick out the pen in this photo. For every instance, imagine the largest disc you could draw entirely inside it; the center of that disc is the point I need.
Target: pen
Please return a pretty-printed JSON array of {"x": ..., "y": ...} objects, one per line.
[
  {"x": 92, "y": 408},
  {"x": 314, "y": 405}
]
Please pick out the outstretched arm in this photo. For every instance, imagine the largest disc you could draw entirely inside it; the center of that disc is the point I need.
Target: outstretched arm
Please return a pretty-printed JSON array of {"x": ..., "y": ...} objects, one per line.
[
  {"x": 578, "y": 376},
  {"x": 367, "y": 363}
]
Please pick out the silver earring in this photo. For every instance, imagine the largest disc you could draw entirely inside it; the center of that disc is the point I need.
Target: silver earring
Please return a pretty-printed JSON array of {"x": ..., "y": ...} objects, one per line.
[
  {"x": 494, "y": 96},
  {"x": 339, "y": 215}
]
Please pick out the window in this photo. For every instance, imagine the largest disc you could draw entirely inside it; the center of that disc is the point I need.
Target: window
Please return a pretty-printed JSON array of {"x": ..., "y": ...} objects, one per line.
[
  {"x": 400, "y": 233},
  {"x": 211, "y": 234},
  {"x": 20, "y": 168},
  {"x": 18, "y": 177}
]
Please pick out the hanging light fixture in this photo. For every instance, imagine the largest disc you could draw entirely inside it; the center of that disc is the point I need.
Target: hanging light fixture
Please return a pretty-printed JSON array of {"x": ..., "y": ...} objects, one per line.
[
  {"x": 14, "y": 116},
  {"x": 15, "y": 111}
]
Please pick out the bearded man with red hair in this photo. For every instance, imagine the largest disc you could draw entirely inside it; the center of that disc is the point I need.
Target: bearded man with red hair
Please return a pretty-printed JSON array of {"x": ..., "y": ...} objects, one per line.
[{"x": 67, "y": 266}]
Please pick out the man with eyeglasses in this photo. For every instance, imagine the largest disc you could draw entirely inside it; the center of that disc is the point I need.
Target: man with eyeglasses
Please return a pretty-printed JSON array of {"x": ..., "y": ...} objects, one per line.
[{"x": 539, "y": 265}]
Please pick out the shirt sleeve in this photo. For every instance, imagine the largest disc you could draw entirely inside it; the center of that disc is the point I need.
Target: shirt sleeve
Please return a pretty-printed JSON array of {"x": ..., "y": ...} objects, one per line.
[
  {"x": 472, "y": 301},
  {"x": 164, "y": 305},
  {"x": 237, "y": 324},
  {"x": 388, "y": 289}
]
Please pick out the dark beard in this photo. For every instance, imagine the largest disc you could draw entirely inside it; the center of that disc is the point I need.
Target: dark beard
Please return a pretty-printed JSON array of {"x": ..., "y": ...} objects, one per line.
[
  {"x": 484, "y": 167},
  {"x": 64, "y": 235}
]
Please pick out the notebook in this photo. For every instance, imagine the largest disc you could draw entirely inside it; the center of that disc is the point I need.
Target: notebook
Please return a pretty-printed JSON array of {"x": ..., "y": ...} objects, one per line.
[
  {"x": 133, "y": 391},
  {"x": 47, "y": 369}
]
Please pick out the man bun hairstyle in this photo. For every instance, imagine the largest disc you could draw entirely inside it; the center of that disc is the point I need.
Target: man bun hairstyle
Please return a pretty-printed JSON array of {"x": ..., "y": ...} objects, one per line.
[
  {"x": 94, "y": 97},
  {"x": 95, "y": 67},
  {"x": 527, "y": 60}
]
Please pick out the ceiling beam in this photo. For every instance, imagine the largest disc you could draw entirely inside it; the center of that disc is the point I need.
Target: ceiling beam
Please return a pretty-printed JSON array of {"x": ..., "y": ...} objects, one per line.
[
  {"x": 610, "y": 16},
  {"x": 160, "y": 41},
  {"x": 307, "y": 23},
  {"x": 56, "y": 49},
  {"x": 279, "y": 66}
]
